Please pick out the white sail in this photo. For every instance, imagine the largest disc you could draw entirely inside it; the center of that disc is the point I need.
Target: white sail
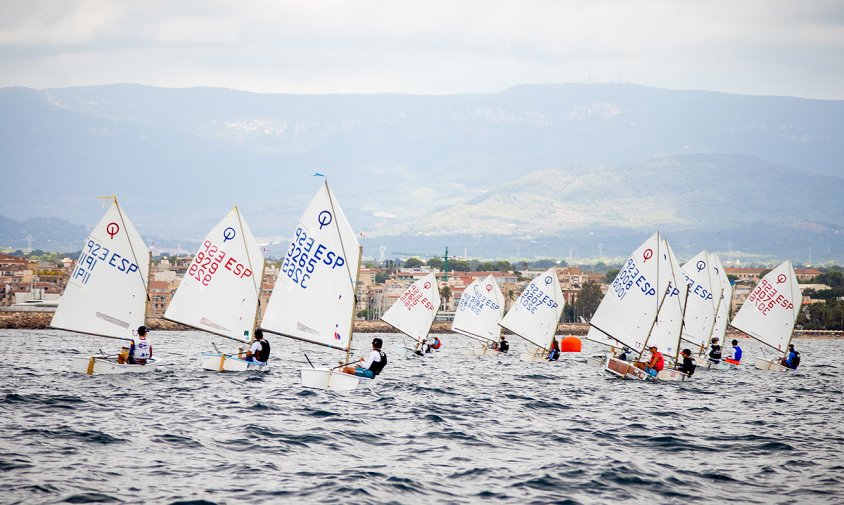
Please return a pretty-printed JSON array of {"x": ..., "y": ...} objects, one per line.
[
  {"x": 769, "y": 313},
  {"x": 629, "y": 308},
  {"x": 704, "y": 293},
  {"x": 480, "y": 310},
  {"x": 220, "y": 290},
  {"x": 314, "y": 295},
  {"x": 107, "y": 291},
  {"x": 667, "y": 327},
  {"x": 414, "y": 311},
  {"x": 535, "y": 314},
  {"x": 723, "y": 306}
]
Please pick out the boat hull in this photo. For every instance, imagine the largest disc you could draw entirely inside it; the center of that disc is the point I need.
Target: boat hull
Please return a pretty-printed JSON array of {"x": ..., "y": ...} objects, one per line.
[
  {"x": 598, "y": 360},
  {"x": 769, "y": 366},
  {"x": 671, "y": 375},
  {"x": 721, "y": 365},
  {"x": 624, "y": 370},
  {"x": 100, "y": 365},
  {"x": 332, "y": 380},
  {"x": 220, "y": 362}
]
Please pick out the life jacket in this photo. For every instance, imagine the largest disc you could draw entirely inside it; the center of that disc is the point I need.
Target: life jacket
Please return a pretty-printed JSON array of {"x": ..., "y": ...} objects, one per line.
[
  {"x": 437, "y": 343},
  {"x": 141, "y": 348},
  {"x": 377, "y": 366},
  {"x": 504, "y": 346},
  {"x": 715, "y": 352},
  {"x": 660, "y": 362},
  {"x": 737, "y": 356},
  {"x": 264, "y": 353},
  {"x": 795, "y": 361}
]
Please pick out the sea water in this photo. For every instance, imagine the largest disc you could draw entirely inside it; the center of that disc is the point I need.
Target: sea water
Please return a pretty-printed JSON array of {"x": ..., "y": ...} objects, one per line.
[{"x": 449, "y": 429}]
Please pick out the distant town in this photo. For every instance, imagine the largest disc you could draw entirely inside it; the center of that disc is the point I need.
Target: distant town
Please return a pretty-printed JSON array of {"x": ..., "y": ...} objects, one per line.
[{"x": 34, "y": 282}]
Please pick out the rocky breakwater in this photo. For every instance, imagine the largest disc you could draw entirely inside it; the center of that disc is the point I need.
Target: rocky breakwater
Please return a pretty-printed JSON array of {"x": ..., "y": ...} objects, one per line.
[{"x": 41, "y": 320}]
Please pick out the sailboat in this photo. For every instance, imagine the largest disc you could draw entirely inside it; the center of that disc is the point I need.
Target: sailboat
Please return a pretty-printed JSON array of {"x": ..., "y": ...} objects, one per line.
[
  {"x": 220, "y": 291},
  {"x": 314, "y": 296},
  {"x": 106, "y": 294},
  {"x": 534, "y": 316},
  {"x": 414, "y": 311},
  {"x": 480, "y": 310},
  {"x": 643, "y": 307},
  {"x": 704, "y": 295},
  {"x": 769, "y": 313}
]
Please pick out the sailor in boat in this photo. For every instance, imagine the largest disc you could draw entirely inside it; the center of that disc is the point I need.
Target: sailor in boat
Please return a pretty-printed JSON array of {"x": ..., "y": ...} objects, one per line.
[
  {"x": 260, "y": 350},
  {"x": 715, "y": 351},
  {"x": 554, "y": 355},
  {"x": 655, "y": 365},
  {"x": 423, "y": 348},
  {"x": 734, "y": 354},
  {"x": 624, "y": 355},
  {"x": 688, "y": 366},
  {"x": 437, "y": 343},
  {"x": 374, "y": 363},
  {"x": 140, "y": 350},
  {"x": 792, "y": 360},
  {"x": 503, "y": 346}
]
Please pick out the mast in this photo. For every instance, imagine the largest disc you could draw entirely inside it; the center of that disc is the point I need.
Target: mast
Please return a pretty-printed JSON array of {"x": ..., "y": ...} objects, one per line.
[
  {"x": 682, "y": 323},
  {"x": 354, "y": 305}
]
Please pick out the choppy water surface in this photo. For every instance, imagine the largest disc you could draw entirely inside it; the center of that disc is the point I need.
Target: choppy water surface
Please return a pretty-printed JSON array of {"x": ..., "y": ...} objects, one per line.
[{"x": 449, "y": 429}]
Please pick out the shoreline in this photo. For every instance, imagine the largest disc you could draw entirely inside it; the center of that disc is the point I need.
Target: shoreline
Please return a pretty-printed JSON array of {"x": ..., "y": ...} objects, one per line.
[{"x": 41, "y": 321}]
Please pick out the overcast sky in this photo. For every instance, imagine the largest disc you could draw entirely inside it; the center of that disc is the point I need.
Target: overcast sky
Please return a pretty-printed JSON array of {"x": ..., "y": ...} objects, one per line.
[{"x": 308, "y": 46}]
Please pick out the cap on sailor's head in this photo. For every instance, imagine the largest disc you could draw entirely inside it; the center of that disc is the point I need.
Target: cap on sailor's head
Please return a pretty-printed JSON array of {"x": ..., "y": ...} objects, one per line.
[
  {"x": 652, "y": 347},
  {"x": 142, "y": 330},
  {"x": 377, "y": 343}
]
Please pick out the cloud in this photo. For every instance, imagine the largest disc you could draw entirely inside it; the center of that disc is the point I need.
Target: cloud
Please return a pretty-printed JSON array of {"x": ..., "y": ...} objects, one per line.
[
  {"x": 436, "y": 46},
  {"x": 385, "y": 215}
]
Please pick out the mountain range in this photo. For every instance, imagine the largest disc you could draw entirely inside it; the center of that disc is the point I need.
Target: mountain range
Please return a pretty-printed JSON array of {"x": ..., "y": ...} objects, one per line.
[{"x": 585, "y": 170}]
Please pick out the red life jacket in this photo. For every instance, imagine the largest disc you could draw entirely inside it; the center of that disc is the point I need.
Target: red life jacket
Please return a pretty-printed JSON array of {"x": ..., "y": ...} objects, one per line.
[
  {"x": 660, "y": 362},
  {"x": 436, "y": 344}
]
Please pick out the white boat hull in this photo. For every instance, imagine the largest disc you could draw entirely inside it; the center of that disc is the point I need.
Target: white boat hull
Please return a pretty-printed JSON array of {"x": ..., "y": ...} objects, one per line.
[
  {"x": 100, "y": 365},
  {"x": 598, "y": 360},
  {"x": 721, "y": 365},
  {"x": 482, "y": 351},
  {"x": 769, "y": 366},
  {"x": 671, "y": 375},
  {"x": 222, "y": 363},
  {"x": 332, "y": 380},
  {"x": 624, "y": 370}
]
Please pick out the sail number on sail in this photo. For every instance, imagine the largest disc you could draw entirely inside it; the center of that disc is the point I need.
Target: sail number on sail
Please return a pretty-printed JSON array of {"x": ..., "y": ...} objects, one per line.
[
  {"x": 207, "y": 262},
  {"x": 475, "y": 302},
  {"x": 304, "y": 255},
  {"x": 533, "y": 298},
  {"x": 765, "y": 297},
  {"x": 96, "y": 253},
  {"x": 628, "y": 276},
  {"x": 697, "y": 289},
  {"x": 413, "y": 297}
]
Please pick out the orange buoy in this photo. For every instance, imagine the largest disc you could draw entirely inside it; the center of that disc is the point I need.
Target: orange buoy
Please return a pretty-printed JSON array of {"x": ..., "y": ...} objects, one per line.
[{"x": 570, "y": 343}]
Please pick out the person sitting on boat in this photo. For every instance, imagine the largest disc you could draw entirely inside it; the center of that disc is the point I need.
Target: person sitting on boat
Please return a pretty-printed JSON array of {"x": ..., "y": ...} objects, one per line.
[
  {"x": 624, "y": 355},
  {"x": 422, "y": 347},
  {"x": 141, "y": 349},
  {"x": 503, "y": 345},
  {"x": 437, "y": 343},
  {"x": 374, "y": 363},
  {"x": 260, "y": 350},
  {"x": 792, "y": 359},
  {"x": 554, "y": 353},
  {"x": 657, "y": 362},
  {"x": 715, "y": 351},
  {"x": 734, "y": 354},
  {"x": 688, "y": 366}
]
